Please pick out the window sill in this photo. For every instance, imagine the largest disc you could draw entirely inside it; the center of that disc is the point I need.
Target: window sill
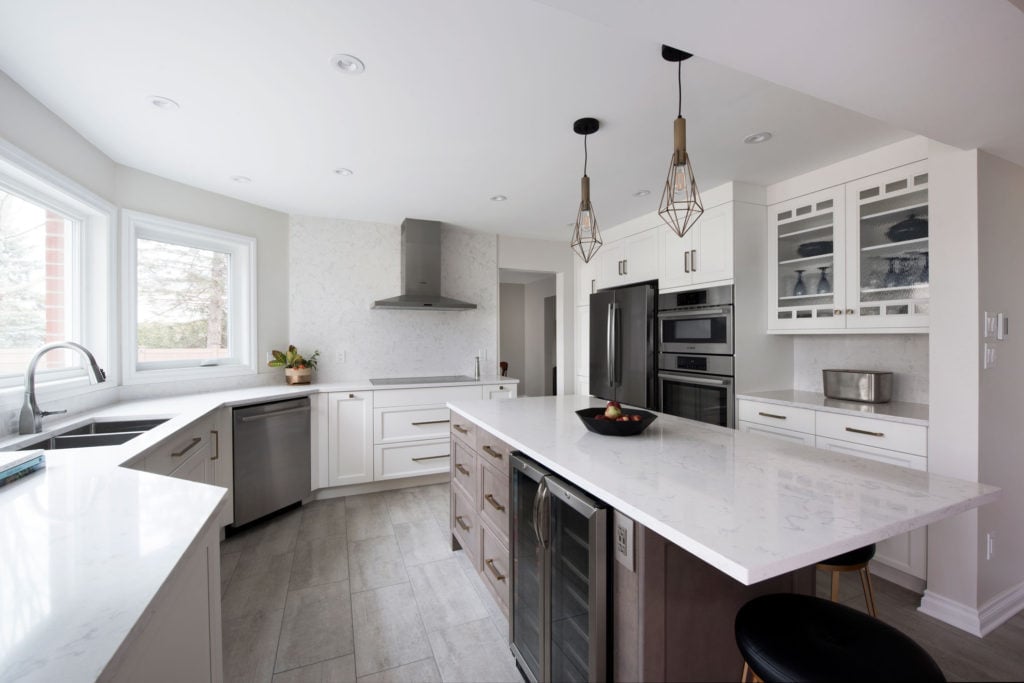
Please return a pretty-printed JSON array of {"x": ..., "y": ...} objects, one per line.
[{"x": 133, "y": 377}]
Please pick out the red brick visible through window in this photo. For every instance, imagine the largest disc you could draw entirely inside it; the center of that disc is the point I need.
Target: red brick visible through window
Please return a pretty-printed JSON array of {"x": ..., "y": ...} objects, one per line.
[{"x": 54, "y": 304}]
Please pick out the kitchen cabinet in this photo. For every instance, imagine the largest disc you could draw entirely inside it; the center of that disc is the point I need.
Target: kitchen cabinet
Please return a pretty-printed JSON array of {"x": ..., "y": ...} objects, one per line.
[
  {"x": 895, "y": 443},
  {"x": 495, "y": 391},
  {"x": 585, "y": 277},
  {"x": 349, "y": 438},
  {"x": 853, "y": 257},
  {"x": 581, "y": 343},
  {"x": 703, "y": 256},
  {"x": 629, "y": 260}
]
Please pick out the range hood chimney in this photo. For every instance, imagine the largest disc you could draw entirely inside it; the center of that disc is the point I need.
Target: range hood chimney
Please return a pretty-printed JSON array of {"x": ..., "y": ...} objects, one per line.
[{"x": 421, "y": 271}]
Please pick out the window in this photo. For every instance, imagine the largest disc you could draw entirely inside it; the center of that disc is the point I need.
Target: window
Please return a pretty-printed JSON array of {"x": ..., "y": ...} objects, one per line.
[{"x": 189, "y": 303}]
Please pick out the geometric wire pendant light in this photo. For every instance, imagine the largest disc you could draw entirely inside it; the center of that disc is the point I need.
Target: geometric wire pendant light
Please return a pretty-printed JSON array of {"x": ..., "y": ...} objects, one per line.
[
  {"x": 680, "y": 205},
  {"x": 586, "y": 237}
]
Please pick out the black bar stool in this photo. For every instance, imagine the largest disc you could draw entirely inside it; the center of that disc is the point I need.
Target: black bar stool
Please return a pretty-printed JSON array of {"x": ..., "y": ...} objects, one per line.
[
  {"x": 853, "y": 561},
  {"x": 791, "y": 637}
]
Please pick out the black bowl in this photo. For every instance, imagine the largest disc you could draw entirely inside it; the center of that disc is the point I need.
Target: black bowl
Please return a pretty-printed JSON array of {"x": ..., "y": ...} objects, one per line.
[
  {"x": 588, "y": 416},
  {"x": 814, "y": 248},
  {"x": 910, "y": 229}
]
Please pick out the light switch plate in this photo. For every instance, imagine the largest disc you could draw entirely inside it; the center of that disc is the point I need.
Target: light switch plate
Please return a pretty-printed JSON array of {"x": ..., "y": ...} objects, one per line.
[
  {"x": 989, "y": 359},
  {"x": 624, "y": 540},
  {"x": 988, "y": 326}
]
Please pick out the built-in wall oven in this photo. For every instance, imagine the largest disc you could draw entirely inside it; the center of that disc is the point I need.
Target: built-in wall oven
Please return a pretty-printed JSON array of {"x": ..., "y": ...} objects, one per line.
[{"x": 695, "y": 355}]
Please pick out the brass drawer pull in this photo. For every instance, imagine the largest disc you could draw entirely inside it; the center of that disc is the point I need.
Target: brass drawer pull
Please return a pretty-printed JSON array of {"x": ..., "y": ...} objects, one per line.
[
  {"x": 461, "y": 522},
  {"x": 864, "y": 431},
  {"x": 493, "y": 453},
  {"x": 186, "y": 449},
  {"x": 777, "y": 417},
  {"x": 431, "y": 422},
  {"x": 460, "y": 429},
  {"x": 431, "y": 457},
  {"x": 497, "y": 506},
  {"x": 494, "y": 570},
  {"x": 462, "y": 469}
]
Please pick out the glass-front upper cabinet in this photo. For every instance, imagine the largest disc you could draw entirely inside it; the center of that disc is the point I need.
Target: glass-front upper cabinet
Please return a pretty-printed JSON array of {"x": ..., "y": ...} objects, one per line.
[
  {"x": 887, "y": 258},
  {"x": 808, "y": 262}
]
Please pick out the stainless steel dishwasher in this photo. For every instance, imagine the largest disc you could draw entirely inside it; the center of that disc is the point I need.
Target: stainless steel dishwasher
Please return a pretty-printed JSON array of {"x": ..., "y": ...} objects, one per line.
[{"x": 271, "y": 457}]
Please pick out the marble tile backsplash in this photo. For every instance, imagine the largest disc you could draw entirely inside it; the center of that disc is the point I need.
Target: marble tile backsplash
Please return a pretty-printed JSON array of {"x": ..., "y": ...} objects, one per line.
[
  {"x": 338, "y": 268},
  {"x": 905, "y": 355}
]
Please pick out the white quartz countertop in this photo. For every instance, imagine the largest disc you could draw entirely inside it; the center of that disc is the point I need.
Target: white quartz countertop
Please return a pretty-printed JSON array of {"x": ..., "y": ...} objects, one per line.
[
  {"x": 894, "y": 411},
  {"x": 751, "y": 506},
  {"x": 85, "y": 544}
]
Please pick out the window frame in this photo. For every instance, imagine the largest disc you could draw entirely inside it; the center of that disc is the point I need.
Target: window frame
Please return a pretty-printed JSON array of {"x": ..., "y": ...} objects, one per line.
[{"x": 137, "y": 225}]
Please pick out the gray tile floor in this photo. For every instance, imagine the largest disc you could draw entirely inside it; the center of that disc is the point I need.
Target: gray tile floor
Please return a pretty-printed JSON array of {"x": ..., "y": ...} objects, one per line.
[
  {"x": 363, "y": 588},
  {"x": 367, "y": 588}
]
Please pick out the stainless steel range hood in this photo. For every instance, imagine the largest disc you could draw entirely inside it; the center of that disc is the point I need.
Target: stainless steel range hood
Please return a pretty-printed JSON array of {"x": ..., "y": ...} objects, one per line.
[{"x": 421, "y": 271}]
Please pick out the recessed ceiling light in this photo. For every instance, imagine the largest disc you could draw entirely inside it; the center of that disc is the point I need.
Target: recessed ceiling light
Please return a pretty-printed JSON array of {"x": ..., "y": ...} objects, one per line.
[
  {"x": 343, "y": 171},
  {"x": 164, "y": 103},
  {"x": 641, "y": 193},
  {"x": 757, "y": 138},
  {"x": 243, "y": 179},
  {"x": 348, "y": 64},
  {"x": 499, "y": 198}
]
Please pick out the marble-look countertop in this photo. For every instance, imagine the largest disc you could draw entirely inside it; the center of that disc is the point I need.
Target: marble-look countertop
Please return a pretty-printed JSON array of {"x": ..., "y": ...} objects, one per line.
[
  {"x": 894, "y": 411},
  {"x": 85, "y": 543},
  {"x": 751, "y": 506}
]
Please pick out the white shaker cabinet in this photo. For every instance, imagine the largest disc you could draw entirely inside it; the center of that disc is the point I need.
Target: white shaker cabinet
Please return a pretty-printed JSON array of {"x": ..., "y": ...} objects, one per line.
[
  {"x": 704, "y": 255},
  {"x": 349, "y": 438},
  {"x": 629, "y": 260},
  {"x": 494, "y": 391},
  {"x": 585, "y": 276}
]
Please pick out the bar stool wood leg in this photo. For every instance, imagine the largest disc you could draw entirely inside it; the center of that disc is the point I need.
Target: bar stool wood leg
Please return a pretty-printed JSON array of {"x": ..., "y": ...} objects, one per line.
[
  {"x": 835, "y": 586},
  {"x": 749, "y": 676},
  {"x": 869, "y": 592}
]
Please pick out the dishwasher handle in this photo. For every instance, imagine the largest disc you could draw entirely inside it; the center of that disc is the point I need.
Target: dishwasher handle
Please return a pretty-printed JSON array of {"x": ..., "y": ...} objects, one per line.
[{"x": 263, "y": 416}]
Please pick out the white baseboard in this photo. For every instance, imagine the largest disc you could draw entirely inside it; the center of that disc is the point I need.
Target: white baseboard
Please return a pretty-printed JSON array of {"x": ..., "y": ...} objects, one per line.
[
  {"x": 981, "y": 621},
  {"x": 377, "y": 486}
]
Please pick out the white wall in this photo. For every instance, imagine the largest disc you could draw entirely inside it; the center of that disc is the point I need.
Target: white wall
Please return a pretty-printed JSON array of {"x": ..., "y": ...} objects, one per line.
[
  {"x": 533, "y": 318},
  {"x": 1001, "y": 429},
  {"x": 512, "y": 328},
  {"x": 338, "y": 268},
  {"x": 906, "y": 355}
]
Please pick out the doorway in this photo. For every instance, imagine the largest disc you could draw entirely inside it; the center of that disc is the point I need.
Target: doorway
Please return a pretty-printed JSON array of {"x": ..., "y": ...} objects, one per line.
[{"x": 527, "y": 329}]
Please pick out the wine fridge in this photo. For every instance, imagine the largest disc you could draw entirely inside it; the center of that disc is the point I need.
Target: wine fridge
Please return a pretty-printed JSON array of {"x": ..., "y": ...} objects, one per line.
[{"x": 559, "y": 577}]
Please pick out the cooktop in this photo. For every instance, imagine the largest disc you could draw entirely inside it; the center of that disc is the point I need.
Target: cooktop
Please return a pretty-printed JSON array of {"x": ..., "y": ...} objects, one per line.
[{"x": 443, "y": 379}]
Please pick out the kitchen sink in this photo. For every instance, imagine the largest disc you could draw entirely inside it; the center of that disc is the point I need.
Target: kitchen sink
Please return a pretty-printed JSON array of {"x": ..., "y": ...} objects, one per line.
[{"x": 95, "y": 433}]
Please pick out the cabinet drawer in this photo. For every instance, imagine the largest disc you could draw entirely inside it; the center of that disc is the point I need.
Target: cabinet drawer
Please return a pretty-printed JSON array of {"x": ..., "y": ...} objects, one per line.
[
  {"x": 464, "y": 525},
  {"x": 464, "y": 429},
  {"x": 492, "y": 451},
  {"x": 464, "y": 470},
  {"x": 493, "y": 503},
  {"x": 774, "y": 415},
  {"x": 405, "y": 424},
  {"x": 175, "y": 450},
  {"x": 894, "y": 436},
  {"x": 914, "y": 462},
  {"x": 776, "y": 433},
  {"x": 494, "y": 566},
  {"x": 393, "y": 398},
  {"x": 394, "y": 461}
]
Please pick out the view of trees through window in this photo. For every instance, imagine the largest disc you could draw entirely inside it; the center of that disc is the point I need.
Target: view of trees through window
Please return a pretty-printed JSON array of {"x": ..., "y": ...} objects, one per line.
[
  {"x": 182, "y": 302},
  {"x": 35, "y": 270}
]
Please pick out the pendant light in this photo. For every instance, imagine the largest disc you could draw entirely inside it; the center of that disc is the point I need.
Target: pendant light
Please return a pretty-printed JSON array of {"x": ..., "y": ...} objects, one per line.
[
  {"x": 586, "y": 238},
  {"x": 680, "y": 205}
]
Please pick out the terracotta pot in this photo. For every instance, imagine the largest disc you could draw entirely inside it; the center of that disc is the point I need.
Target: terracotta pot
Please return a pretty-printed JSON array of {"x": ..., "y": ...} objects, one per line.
[{"x": 298, "y": 375}]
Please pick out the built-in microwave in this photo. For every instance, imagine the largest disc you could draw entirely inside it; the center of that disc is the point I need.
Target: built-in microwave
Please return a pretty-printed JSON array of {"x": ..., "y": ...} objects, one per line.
[{"x": 698, "y": 321}]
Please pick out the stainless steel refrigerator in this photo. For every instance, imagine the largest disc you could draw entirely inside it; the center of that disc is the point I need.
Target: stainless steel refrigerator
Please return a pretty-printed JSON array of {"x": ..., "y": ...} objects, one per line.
[
  {"x": 559, "y": 615},
  {"x": 622, "y": 358}
]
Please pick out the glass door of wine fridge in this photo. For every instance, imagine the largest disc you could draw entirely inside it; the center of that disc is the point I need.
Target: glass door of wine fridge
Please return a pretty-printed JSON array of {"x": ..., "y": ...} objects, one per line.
[{"x": 559, "y": 578}]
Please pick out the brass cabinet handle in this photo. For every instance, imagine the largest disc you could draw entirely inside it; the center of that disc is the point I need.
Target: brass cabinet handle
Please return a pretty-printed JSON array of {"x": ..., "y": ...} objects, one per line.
[
  {"x": 461, "y": 522},
  {"x": 460, "y": 429},
  {"x": 186, "y": 449},
  {"x": 430, "y": 422},
  {"x": 777, "y": 417},
  {"x": 494, "y": 570},
  {"x": 864, "y": 431},
  {"x": 497, "y": 506},
  {"x": 493, "y": 453},
  {"x": 216, "y": 444},
  {"x": 462, "y": 469},
  {"x": 433, "y": 457}
]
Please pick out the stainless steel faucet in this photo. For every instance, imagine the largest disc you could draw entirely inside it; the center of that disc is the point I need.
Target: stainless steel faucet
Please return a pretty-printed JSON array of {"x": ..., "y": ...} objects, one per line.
[{"x": 31, "y": 420}]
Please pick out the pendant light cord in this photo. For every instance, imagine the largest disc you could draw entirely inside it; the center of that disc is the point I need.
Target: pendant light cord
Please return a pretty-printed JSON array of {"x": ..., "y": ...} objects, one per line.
[{"x": 679, "y": 79}]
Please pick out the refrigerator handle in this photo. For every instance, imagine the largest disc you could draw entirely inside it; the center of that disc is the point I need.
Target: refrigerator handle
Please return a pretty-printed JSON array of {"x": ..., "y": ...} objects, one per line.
[
  {"x": 609, "y": 344},
  {"x": 616, "y": 371}
]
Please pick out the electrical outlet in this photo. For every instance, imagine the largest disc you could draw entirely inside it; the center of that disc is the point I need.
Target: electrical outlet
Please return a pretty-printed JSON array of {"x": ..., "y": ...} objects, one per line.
[
  {"x": 988, "y": 329},
  {"x": 990, "y": 545},
  {"x": 270, "y": 356},
  {"x": 989, "y": 360},
  {"x": 624, "y": 540},
  {"x": 339, "y": 356}
]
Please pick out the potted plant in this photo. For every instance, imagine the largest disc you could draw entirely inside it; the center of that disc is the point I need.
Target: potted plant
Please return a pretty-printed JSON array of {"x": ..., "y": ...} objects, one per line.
[{"x": 297, "y": 369}]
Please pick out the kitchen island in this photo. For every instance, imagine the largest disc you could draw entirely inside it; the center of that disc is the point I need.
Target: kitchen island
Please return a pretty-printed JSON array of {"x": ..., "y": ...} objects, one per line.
[{"x": 735, "y": 514}]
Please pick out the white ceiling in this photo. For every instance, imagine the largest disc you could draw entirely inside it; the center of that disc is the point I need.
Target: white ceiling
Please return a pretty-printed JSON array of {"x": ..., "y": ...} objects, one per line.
[{"x": 465, "y": 99}]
